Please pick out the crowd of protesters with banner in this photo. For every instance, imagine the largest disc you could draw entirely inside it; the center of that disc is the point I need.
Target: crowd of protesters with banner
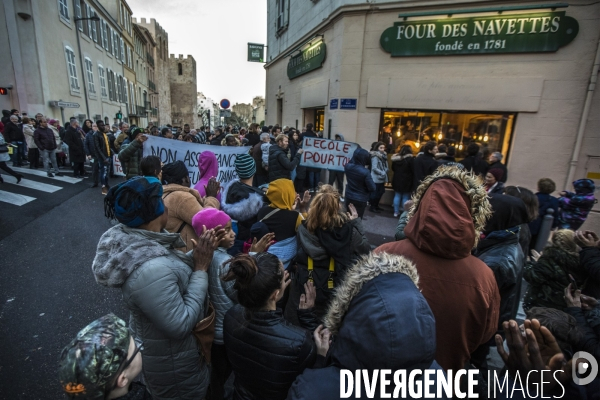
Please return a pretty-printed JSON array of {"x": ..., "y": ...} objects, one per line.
[{"x": 266, "y": 286}]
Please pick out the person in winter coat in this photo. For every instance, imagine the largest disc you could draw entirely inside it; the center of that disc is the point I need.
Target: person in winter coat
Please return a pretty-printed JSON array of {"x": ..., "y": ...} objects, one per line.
[
  {"x": 102, "y": 154},
  {"x": 253, "y": 135},
  {"x": 241, "y": 201},
  {"x": 492, "y": 181},
  {"x": 46, "y": 143},
  {"x": 218, "y": 138},
  {"x": 371, "y": 336},
  {"x": 359, "y": 184},
  {"x": 531, "y": 204},
  {"x": 184, "y": 202},
  {"x": 266, "y": 352},
  {"x": 103, "y": 355},
  {"x": 327, "y": 239},
  {"x": 496, "y": 162},
  {"x": 451, "y": 208},
  {"x": 4, "y": 158},
  {"x": 13, "y": 134},
  {"x": 425, "y": 164},
  {"x": 5, "y": 117},
  {"x": 549, "y": 275},
  {"x": 499, "y": 249},
  {"x": 33, "y": 153},
  {"x": 279, "y": 164},
  {"x": 131, "y": 154},
  {"x": 472, "y": 162},
  {"x": 313, "y": 174},
  {"x": 164, "y": 289},
  {"x": 575, "y": 207},
  {"x": 379, "y": 170},
  {"x": 122, "y": 136},
  {"x": 90, "y": 152},
  {"x": 546, "y": 187},
  {"x": 402, "y": 182},
  {"x": 262, "y": 175},
  {"x": 75, "y": 140},
  {"x": 589, "y": 259},
  {"x": 208, "y": 167}
]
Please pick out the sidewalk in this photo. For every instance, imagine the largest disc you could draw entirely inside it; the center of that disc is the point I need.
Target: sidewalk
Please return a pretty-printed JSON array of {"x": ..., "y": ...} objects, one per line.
[{"x": 380, "y": 228}]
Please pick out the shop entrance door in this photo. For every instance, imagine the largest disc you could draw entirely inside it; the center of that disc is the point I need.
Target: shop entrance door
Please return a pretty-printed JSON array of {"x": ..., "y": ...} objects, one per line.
[{"x": 319, "y": 119}]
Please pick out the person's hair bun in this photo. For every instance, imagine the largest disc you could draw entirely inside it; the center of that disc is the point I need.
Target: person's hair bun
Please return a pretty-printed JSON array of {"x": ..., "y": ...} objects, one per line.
[{"x": 242, "y": 269}]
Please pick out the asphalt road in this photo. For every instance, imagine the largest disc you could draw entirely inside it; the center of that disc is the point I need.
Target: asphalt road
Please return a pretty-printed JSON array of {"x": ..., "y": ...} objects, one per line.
[{"x": 47, "y": 290}]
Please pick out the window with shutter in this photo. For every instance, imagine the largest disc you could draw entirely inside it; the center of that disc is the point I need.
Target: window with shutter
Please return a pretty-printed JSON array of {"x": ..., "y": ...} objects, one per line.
[
  {"x": 122, "y": 50},
  {"x": 63, "y": 8},
  {"x": 78, "y": 15},
  {"x": 94, "y": 30},
  {"x": 102, "y": 80},
  {"x": 88, "y": 14},
  {"x": 72, "y": 68},
  {"x": 105, "y": 35},
  {"x": 90, "y": 75}
]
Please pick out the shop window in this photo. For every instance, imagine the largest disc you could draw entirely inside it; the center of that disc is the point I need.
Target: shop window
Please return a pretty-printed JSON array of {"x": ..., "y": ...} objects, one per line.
[
  {"x": 492, "y": 131},
  {"x": 319, "y": 119}
]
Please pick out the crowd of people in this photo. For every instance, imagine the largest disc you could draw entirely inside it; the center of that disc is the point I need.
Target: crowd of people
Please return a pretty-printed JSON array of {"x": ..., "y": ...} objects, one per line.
[{"x": 266, "y": 286}]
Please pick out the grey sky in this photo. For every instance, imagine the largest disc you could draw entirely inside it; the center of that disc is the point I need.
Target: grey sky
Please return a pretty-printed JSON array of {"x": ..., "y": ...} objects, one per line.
[{"x": 216, "y": 34}]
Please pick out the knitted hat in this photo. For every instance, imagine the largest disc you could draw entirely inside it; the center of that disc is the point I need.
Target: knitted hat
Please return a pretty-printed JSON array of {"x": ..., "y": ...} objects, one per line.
[
  {"x": 245, "y": 166},
  {"x": 135, "y": 202},
  {"x": 93, "y": 358},
  {"x": 497, "y": 173},
  {"x": 210, "y": 218}
]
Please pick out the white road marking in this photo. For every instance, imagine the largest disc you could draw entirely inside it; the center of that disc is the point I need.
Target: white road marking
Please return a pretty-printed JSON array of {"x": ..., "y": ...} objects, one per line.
[
  {"x": 43, "y": 187},
  {"x": 15, "y": 199},
  {"x": 44, "y": 174}
]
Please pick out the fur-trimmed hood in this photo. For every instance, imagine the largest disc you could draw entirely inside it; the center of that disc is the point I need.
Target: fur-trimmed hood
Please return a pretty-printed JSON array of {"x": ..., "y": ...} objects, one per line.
[
  {"x": 450, "y": 209},
  {"x": 241, "y": 202},
  {"x": 121, "y": 250},
  {"x": 380, "y": 317}
]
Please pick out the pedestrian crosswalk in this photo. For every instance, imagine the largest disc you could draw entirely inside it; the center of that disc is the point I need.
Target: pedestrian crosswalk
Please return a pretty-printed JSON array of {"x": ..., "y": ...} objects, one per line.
[{"x": 31, "y": 186}]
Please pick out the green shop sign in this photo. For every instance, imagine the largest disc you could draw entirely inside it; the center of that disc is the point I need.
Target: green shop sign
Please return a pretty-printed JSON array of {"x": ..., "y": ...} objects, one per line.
[
  {"x": 308, "y": 60},
  {"x": 513, "y": 33},
  {"x": 256, "y": 52}
]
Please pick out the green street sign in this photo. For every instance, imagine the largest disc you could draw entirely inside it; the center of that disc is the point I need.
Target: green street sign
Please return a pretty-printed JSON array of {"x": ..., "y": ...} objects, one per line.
[
  {"x": 256, "y": 52},
  {"x": 507, "y": 33},
  {"x": 308, "y": 60}
]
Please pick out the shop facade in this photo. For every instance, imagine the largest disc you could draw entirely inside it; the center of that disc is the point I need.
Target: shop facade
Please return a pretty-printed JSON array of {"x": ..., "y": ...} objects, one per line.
[{"x": 514, "y": 78}]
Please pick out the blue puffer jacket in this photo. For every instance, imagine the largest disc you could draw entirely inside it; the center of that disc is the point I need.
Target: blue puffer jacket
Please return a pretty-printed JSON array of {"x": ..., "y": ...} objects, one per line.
[
  {"x": 387, "y": 324},
  {"x": 360, "y": 182},
  {"x": 500, "y": 250}
]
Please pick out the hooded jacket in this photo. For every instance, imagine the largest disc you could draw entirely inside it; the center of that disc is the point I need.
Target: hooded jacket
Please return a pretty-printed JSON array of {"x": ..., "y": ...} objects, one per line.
[
  {"x": 381, "y": 321},
  {"x": 379, "y": 167},
  {"x": 475, "y": 164},
  {"x": 402, "y": 182},
  {"x": 13, "y": 132},
  {"x": 222, "y": 294},
  {"x": 5, "y": 116},
  {"x": 279, "y": 165},
  {"x": 575, "y": 207},
  {"x": 359, "y": 181},
  {"x": 165, "y": 299},
  {"x": 208, "y": 166},
  {"x": 242, "y": 203},
  {"x": 451, "y": 208},
  {"x": 500, "y": 250},
  {"x": 183, "y": 203},
  {"x": 266, "y": 352}
]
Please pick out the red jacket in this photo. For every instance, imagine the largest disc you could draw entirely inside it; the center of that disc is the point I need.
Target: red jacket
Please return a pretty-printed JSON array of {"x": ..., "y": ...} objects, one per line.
[{"x": 460, "y": 289}]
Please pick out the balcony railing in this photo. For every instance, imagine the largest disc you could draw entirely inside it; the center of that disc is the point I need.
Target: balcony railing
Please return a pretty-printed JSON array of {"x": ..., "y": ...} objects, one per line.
[
  {"x": 151, "y": 85},
  {"x": 150, "y": 59}
]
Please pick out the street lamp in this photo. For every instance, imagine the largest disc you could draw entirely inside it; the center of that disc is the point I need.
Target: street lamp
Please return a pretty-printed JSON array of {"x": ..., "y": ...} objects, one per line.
[{"x": 95, "y": 19}]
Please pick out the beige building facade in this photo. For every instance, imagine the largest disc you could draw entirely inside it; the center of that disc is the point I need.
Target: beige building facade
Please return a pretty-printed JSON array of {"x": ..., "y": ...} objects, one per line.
[
  {"x": 44, "y": 63},
  {"x": 538, "y": 108}
]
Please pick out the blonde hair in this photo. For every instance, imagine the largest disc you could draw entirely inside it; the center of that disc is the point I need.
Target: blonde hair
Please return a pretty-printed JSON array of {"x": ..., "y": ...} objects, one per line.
[
  {"x": 280, "y": 137},
  {"x": 565, "y": 239},
  {"x": 324, "y": 212}
]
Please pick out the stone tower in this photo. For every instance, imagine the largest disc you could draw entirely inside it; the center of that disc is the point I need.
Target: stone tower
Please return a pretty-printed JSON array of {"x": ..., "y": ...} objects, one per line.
[{"x": 183, "y": 83}]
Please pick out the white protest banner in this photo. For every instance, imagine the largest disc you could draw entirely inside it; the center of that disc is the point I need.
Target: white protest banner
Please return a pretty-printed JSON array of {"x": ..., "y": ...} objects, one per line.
[
  {"x": 169, "y": 150},
  {"x": 117, "y": 167},
  {"x": 326, "y": 153}
]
